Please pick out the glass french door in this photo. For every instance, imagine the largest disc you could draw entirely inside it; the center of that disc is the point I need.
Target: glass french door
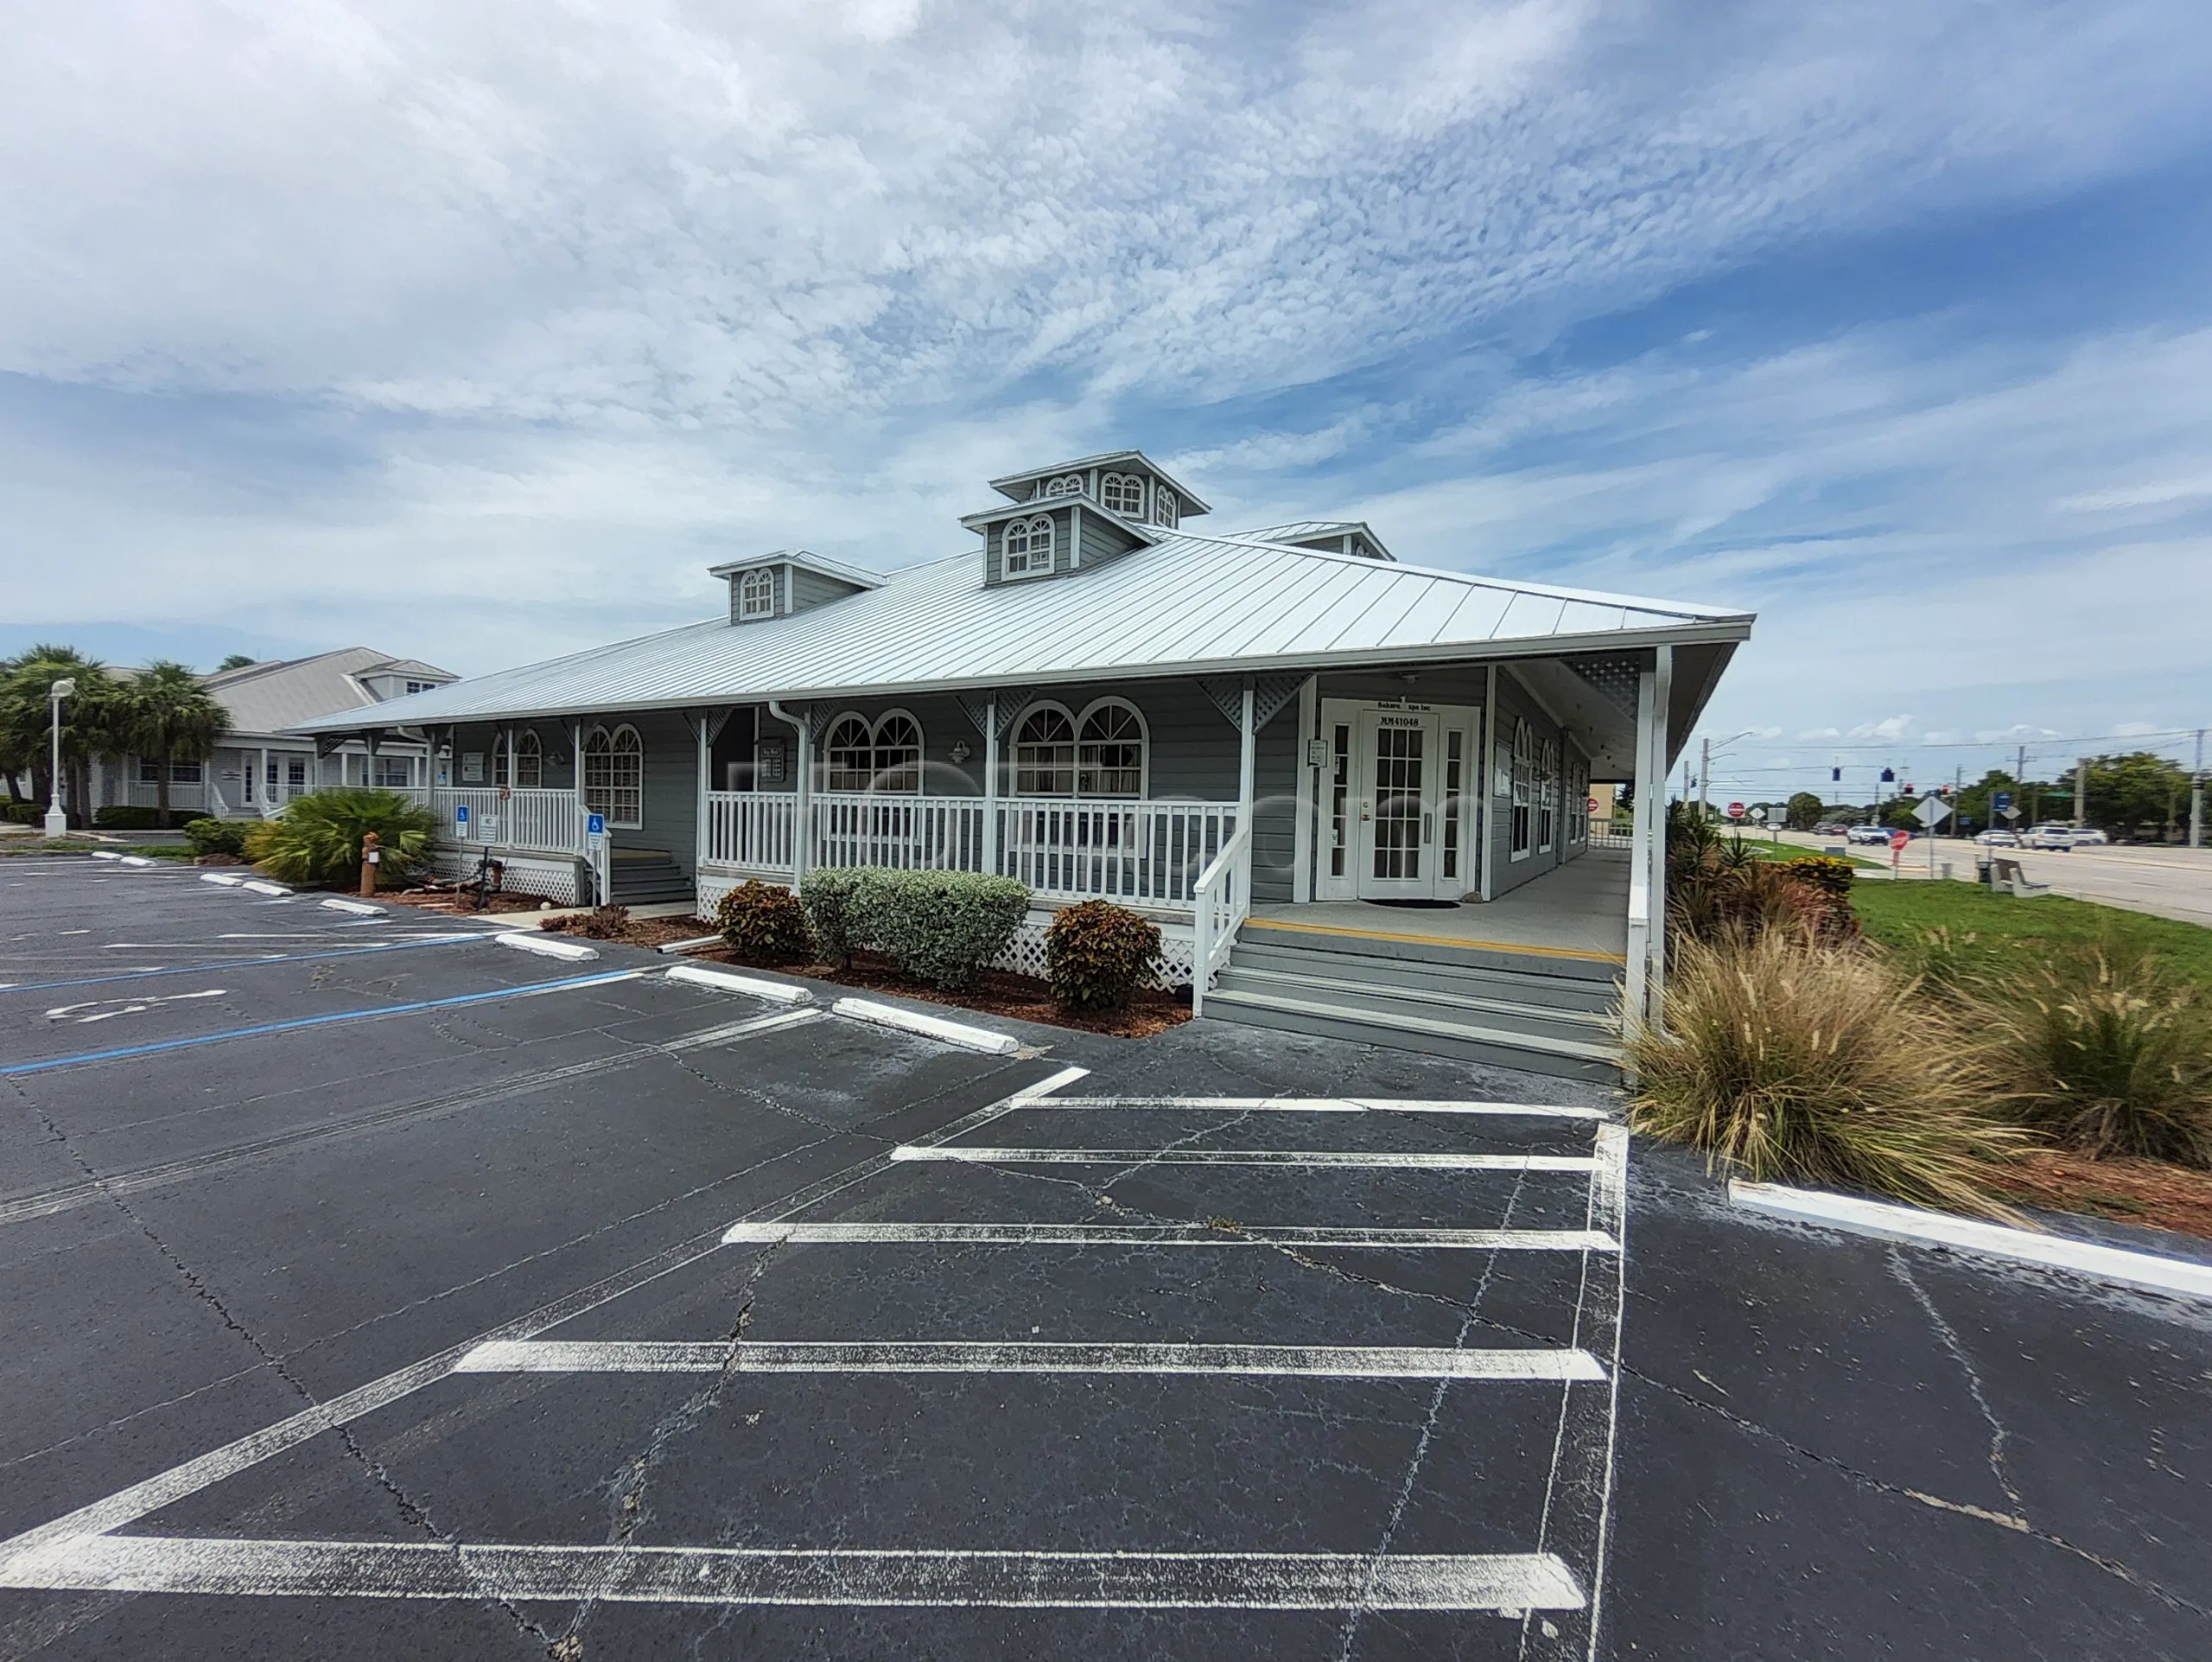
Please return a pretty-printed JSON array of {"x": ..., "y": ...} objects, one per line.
[{"x": 1394, "y": 844}]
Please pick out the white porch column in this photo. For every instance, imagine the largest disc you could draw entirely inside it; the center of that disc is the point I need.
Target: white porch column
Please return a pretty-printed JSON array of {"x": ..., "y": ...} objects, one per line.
[
  {"x": 1246, "y": 761},
  {"x": 991, "y": 785},
  {"x": 1662, "y": 686},
  {"x": 1646, "y": 934},
  {"x": 803, "y": 839},
  {"x": 1309, "y": 790}
]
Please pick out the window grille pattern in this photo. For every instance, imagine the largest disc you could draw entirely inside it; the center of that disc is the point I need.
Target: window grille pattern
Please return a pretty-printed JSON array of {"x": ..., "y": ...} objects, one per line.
[
  {"x": 756, "y": 594},
  {"x": 1123, "y": 493},
  {"x": 887, "y": 756},
  {"x": 1547, "y": 794},
  {"x": 529, "y": 761},
  {"x": 1110, "y": 752},
  {"x": 615, "y": 775},
  {"x": 1044, "y": 753},
  {"x": 847, "y": 755},
  {"x": 1524, "y": 769},
  {"x": 1400, "y": 766},
  {"x": 1065, "y": 485},
  {"x": 1028, "y": 547},
  {"x": 1166, "y": 508}
]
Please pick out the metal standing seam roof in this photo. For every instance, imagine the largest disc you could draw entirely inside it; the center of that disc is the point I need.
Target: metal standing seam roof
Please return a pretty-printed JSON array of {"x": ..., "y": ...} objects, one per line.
[
  {"x": 1190, "y": 604},
  {"x": 280, "y": 695}
]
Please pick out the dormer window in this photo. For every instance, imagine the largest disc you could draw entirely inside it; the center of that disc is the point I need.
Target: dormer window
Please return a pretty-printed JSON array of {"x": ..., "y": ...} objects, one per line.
[
  {"x": 1065, "y": 485},
  {"x": 1124, "y": 494},
  {"x": 756, "y": 594},
  {"x": 1166, "y": 509},
  {"x": 1028, "y": 551}
]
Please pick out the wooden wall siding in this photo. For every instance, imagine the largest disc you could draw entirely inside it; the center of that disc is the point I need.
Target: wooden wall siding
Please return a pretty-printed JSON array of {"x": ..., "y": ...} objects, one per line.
[
  {"x": 735, "y": 741},
  {"x": 1452, "y": 683},
  {"x": 1275, "y": 816},
  {"x": 1062, "y": 553},
  {"x": 812, "y": 589},
  {"x": 1103, "y": 541},
  {"x": 781, "y": 576},
  {"x": 1507, "y": 873},
  {"x": 555, "y": 742},
  {"x": 671, "y": 798}
]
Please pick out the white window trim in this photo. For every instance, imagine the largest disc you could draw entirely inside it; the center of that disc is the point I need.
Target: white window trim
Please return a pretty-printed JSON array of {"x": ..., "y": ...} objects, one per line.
[
  {"x": 614, "y": 736},
  {"x": 746, "y": 610},
  {"x": 1064, "y": 485},
  {"x": 875, "y": 749},
  {"x": 1523, "y": 795},
  {"x": 1144, "y": 749},
  {"x": 529, "y": 747},
  {"x": 1007, "y": 574},
  {"x": 1013, "y": 753},
  {"x": 1166, "y": 508},
  {"x": 823, "y": 768},
  {"x": 1111, "y": 493}
]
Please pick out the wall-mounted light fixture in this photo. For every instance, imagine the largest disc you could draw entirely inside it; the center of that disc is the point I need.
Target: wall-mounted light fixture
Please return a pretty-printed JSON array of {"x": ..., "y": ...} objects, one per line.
[{"x": 961, "y": 752}]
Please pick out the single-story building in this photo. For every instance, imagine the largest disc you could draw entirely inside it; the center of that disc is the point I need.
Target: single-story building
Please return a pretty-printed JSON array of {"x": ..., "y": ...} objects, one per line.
[
  {"x": 260, "y": 762},
  {"x": 1354, "y": 793}
]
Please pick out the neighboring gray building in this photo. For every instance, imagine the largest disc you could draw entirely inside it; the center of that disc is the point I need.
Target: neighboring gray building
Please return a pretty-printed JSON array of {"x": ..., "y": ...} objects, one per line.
[
  {"x": 261, "y": 762},
  {"x": 1307, "y": 758}
]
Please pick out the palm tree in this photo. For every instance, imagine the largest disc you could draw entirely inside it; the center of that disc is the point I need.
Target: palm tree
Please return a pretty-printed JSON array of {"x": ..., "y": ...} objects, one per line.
[
  {"x": 165, "y": 714},
  {"x": 25, "y": 714}
]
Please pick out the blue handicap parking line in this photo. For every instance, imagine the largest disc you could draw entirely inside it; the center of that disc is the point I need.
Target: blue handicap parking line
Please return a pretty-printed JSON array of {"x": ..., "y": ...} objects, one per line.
[
  {"x": 240, "y": 963},
  {"x": 371, "y": 1014}
]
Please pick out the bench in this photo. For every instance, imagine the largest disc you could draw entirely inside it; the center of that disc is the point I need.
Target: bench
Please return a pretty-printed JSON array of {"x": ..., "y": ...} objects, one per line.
[{"x": 2006, "y": 876}]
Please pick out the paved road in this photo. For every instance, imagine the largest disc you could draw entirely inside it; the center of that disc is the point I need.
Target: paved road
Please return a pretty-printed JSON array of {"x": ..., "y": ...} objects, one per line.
[
  {"x": 378, "y": 1292},
  {"x": 2167, "y": 882}
]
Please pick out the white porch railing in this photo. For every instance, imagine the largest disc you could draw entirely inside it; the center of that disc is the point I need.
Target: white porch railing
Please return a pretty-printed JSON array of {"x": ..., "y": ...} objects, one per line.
[
  {"x": 550, "y": 822},
  {"x": 1142, "y": 853},
  {"x": 1222, "y": 902}
]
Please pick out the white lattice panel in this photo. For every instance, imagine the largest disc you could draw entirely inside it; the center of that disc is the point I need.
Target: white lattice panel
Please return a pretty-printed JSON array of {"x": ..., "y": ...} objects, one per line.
[
  {"x": 549, "y": 880},
  {"x": 1024, "y": 953}
]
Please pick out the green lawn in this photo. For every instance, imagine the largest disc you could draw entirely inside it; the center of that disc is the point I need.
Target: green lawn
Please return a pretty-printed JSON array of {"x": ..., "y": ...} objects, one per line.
[{"x": 2010, "y": 932}]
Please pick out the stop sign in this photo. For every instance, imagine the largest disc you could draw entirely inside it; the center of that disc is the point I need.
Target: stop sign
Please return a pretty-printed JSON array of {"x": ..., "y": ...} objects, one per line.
[{"x": 1735, "y": 811}]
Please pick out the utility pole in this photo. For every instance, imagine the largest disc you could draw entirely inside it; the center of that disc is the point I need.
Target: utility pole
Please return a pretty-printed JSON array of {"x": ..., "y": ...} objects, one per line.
[
  {"x": 2020, "y": 787},
  {"x": 1705, "y": 781},
  {"x": 2196, "y": 797},
  {"x": 2080, "y": 792}
]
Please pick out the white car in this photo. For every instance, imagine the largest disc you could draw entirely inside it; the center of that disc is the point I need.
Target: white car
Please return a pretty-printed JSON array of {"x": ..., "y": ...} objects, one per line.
[
  {"x": 1867, "y": 834},
  {"x": 1998, "y": 839},
  {"x": 2050, "y": 837},
  {"x": 2091, "y": 839}
]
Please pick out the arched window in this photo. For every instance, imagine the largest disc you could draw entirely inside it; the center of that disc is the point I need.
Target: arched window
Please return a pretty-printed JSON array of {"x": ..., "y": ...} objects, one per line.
[
  {"x": 1110, "y": 751},
  {"x": 1166, "y": 509},
  {"x": 1044, "y": 753},
  {"x": 898, "y": 753},
  {"x": 756, "y": 594},
  {"x": 1065, "y": 485},
  {"x": 1524, "y": 767},
  {"x": 530, "y": 760},
  {"x": 1547, "y": 794},
  {"x": 1123, "y": 493},
  {"x": 848, "y": 755},
  {"x": 615, "y": 775},
  {"x": 1028, "y": 550},
  {"x": 499, "y": 759}
]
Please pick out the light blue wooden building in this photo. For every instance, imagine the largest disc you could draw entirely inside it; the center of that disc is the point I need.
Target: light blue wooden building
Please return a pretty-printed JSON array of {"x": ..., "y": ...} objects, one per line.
[{"x": 1354, "y": 792}]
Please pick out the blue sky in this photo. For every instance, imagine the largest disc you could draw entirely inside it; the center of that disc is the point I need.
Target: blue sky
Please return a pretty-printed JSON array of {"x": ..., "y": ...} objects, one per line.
[{"x": 476, "y": 333}]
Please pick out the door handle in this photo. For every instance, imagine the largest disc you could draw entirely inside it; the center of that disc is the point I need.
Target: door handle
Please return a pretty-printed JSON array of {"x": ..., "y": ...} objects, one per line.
[
  {"x": 1427, "y": 834},
  {"x": 1365, "y": 812}
]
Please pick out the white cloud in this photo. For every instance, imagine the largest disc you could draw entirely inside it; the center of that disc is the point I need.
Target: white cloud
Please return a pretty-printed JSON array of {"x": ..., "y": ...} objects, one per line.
[{"x": 2136, "y": 729}]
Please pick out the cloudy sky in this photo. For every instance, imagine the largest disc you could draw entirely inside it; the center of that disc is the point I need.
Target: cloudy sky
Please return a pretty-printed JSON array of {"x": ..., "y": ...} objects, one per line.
[{"x": 476, "y": 333}]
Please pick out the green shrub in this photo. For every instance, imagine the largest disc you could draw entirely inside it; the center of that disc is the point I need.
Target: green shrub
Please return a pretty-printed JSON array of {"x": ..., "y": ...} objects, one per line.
[
  {"x": 216, "y": 835},
  {"x": 124, "y": 816},
  {"x": 317, "y": 839},
  {"x": 939, "y": 927},
  {"x": 763, "y": 923},
  {"x": 28, "y": 813},
  {"x": 1096, "y": 953},
  {"x": 1831, "y": 875},
  {"x": 1791, "y": 1062},
  {"x": 2107, "y": 1053},
  {"x": 828, "y": 896}
]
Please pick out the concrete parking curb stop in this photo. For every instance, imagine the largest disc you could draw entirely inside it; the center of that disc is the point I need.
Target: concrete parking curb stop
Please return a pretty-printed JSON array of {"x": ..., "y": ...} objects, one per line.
[
  {"x": 725, "y": 981},
  {"x": 697, "y": 944},
  {"x": 265, "y": 888},
  {"x": 1898, "y": 1223},
  {"x": 353, "y": 905},
  {"x": 222, "y": 877},
  {"x": 933, "y": 1027},
  {"x": 531, "y": 942}
]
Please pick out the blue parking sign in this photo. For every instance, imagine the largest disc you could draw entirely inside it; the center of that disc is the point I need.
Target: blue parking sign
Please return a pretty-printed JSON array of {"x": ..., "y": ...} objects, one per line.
[
  {"x": 460, "y": 813},
  {"x": 595, "y": 826},
  {"x": 2000, "y": 800}
]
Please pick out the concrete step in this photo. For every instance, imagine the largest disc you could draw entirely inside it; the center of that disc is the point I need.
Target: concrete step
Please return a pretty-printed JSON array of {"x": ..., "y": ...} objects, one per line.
[
  {"x": 1411, "y": 948},
  {"x": 1383, "y": 1002},
  {"x": 1534, "y": 986},
  {"x": 1469, "y": 1041}
]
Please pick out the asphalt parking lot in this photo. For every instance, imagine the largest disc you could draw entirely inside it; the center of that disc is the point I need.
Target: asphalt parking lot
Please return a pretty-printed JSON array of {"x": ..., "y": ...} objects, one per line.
[{"x": 373, "y": 1289}]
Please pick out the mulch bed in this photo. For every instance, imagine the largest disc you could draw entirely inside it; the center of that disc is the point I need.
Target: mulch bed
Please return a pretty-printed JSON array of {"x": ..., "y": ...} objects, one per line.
[
  {"x": 2146, "y": 1192},
  {"x": 996, "y": 992},
  {"x": 446, "y": 900},
  {"x": 637, "y": 932}
]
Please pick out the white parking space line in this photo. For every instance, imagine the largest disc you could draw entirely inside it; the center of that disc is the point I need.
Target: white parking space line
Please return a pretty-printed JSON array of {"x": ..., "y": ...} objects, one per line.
[
  {"x": 1159, "y": 1581},
  {"x": 886, "y": 1234},
  {"x": 1025, "y": 1356},
  {"x": 1312, "y": 1158},
  {"x": 1331, "y": 1106}
]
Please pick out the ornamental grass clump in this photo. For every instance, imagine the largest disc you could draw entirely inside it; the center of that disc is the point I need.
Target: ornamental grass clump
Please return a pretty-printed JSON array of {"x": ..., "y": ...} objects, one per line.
[
  {"x": 317, "y": 839},
  {"x": 2106, "y": 1054},
  {"x": 763, "y": 923},
  {"x": 1097, "y": 954},
  {"x": 1790, "y": 1062}
]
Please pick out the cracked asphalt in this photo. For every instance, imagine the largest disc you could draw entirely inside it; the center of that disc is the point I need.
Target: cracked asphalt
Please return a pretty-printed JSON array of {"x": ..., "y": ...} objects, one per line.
[{"x": 1821, "y": 1447}]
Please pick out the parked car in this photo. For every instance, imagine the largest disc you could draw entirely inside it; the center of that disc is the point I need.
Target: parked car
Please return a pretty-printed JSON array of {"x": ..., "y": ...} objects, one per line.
[
  {"x": 1868, "y": 834},
  {"x": 2057, "y": 836},
  {"x": 1998, "y": 839},
  {"x": 1833, "y": 827}
]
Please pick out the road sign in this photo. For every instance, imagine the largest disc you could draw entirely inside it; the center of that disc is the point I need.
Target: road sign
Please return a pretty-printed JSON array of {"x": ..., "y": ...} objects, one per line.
[
  {"x": 1760, "y": 814},
  {"x": 460, "y": 813},
  {"x": 1735, "y": 811},
  {"x": 1898, "y": 840},
  {"x": 2002, "y": 800},
  {"x": 1931, "y": 811},
  {"x": 2010, "y": 814},
  {"x": 595, "y": 826}
]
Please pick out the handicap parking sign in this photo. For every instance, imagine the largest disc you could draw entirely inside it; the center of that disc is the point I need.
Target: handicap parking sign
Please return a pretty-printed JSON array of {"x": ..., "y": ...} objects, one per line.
[
  {"x": 460, "y": 813},
  {"x": 595, "y": 826}
]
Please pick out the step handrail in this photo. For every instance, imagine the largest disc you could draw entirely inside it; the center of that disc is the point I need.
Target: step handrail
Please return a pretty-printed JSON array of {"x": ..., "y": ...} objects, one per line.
[{"x": 1221, "y": 901}]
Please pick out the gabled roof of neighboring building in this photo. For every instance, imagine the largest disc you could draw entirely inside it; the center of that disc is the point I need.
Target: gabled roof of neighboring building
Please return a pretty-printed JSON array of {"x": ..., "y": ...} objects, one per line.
[
  {"x": 805, "y": 561},
  {"x": 1187, "y": 604},
  {"x": 1313, "y": 531},
  {"x": 279, "y": 695}
]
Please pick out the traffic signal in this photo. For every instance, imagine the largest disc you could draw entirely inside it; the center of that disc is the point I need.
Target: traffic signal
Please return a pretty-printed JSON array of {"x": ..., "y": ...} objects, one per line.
[
  {"x": 1888, "y": 776},
  {"x": 1835, "y": 775},
  {"x": 1908, "y": 787}
]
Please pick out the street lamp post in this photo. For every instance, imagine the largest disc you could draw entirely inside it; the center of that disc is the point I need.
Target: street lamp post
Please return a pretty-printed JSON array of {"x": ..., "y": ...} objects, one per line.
[{"x": 57, "y": 822}]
